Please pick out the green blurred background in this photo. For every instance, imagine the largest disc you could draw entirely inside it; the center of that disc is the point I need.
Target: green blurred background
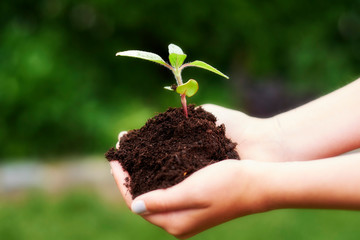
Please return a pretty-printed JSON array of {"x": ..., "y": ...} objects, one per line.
[{"x": 64, "y": 93}]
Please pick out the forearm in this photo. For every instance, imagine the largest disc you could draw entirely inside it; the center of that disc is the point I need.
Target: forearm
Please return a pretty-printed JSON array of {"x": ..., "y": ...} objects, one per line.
[
  {"x": 322, "y": 128},
  {"x": 332, "y": 183}
]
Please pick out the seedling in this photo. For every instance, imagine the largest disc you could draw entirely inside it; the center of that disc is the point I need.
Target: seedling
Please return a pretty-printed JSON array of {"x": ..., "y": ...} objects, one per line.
[{"x": 176, "y": 58}]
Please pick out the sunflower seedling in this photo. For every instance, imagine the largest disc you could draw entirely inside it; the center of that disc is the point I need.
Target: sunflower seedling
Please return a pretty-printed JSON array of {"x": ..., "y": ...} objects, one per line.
[{"x": 176, "y": 58}]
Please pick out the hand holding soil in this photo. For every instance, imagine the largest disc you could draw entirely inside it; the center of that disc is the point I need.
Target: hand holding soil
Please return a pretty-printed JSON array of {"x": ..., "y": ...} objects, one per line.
[
  {"x": 170, "y": 147},
  {"x": 212, "y": 195},
  {"x": 230, "y": 189},
  {"x": 320, "y": 131}
]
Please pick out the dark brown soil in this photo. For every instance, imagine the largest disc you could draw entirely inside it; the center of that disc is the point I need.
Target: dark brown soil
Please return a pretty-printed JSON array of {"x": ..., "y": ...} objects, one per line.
[{"x": 170, "y": 147}]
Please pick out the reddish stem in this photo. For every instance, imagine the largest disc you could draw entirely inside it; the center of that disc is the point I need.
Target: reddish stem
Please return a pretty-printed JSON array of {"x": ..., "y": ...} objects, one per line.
[{"x": 183, "y": 102}]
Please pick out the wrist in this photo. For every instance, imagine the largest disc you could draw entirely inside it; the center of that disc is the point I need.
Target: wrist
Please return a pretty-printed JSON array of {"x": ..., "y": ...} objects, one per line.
[
  {"x": 298, "y": 184},
  {"x": 259, "y": 187},
  {"x": 324, "y": 183},
  {"x": 263, "y": 141},
  {"x": 275, "y": 185},
  {"x": 276, "y": 180}
]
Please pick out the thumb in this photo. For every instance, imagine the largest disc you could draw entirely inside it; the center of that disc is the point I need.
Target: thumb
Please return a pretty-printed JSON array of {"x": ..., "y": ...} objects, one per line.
[
  {"x": 212, "y": 108},
  {"x": 166, "y": 200}
]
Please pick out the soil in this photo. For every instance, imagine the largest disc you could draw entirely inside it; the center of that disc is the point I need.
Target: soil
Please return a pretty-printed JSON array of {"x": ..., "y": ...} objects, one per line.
[{"x": 170, "y": 147}]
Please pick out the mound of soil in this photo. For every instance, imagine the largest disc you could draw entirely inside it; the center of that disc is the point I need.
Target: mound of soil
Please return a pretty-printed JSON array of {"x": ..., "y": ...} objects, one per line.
[{"x": 170, "y": 147}]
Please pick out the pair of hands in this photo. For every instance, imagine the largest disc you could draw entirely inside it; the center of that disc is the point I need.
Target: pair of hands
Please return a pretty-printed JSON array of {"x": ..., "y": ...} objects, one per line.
[
  {"x": 231, "y": 189},
  {"x": 219, "y": 192}
]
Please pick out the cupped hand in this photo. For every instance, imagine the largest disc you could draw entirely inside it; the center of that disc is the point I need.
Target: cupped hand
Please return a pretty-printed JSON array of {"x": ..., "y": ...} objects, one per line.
[
  {"x": 257, "y": 139},
  {"x": 219, "y": 192},
  {"x": 213, "y": 195}
]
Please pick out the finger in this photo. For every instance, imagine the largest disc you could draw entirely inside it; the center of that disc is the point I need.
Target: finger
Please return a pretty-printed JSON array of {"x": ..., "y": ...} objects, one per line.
[
  {"x": 182, "y": 224},
  {"x": 216, "y": 110},
  {"x": 121, "y": 134},
  {"x": 175, "y": 198},
  {"x": 120, "y": 177},
  {"x": 212, "y": 108}
]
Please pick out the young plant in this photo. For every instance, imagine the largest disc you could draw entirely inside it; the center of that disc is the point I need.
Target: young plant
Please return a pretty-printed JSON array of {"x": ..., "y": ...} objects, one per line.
[{"x": 176, "y": 58}]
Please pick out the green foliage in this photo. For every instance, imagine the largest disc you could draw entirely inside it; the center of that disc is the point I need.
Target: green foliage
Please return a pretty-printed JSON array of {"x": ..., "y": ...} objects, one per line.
[
  {"x": 176, "y": 56},
  {"x": 143, "y": 55},
  {"x": 206, "y": 66},
  {"x": 84, "y": 215},
  {"x": 189, "y": 88},
  {"x": 63, "y": 92}
]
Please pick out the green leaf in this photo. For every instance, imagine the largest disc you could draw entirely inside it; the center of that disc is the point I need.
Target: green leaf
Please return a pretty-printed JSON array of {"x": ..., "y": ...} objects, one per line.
[
  {"x": 206, "y": 66},
  {"x": 175, "y": 49},
  {"x": 189, "y": 88},
  {"x": 143, "y": 55},
  {"x": 169, "y": 88},
  {"x": 176, "y": 56}
]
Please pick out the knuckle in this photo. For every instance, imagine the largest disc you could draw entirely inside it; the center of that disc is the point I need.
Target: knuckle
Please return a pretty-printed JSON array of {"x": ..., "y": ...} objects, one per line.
[
  {"x": 163, "y": 203},
  {"x": 198, "y": 199},
  {"x": 162, "y": 206}
]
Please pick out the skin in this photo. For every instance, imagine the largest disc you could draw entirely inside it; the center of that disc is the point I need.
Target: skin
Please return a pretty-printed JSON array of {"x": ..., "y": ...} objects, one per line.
[{"x": 289, "y": 161}]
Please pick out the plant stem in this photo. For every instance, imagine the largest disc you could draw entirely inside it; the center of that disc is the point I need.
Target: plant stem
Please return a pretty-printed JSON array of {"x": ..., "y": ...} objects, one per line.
[
  {"x": 183, "y": 102},
  {"x": 177, "y": 73}
]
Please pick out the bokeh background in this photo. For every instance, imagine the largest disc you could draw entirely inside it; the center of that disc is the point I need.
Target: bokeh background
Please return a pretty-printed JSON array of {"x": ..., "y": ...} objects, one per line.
[{"x": 64, "y": 96}]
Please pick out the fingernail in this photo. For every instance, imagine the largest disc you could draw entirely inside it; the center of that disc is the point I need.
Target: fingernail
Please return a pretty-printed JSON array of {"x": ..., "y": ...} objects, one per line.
[
  {"x": 138, "y": 207},
  {"x": 111, "y": 171},
  {"x": 117, "y": 145}
]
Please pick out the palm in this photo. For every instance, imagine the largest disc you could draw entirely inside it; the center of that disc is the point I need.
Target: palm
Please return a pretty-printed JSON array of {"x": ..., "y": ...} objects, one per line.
[{"x": 256, "y": 139}]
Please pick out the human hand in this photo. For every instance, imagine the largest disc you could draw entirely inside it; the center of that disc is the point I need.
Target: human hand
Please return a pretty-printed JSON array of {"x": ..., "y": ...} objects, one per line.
[
  {"x": 211, "y": 196},
  {"x": 231, "y": 189},
  {"x": 198, "y": 203},
  {"x": 120, "y": 175},
  {"x": 257, "y": 139}
]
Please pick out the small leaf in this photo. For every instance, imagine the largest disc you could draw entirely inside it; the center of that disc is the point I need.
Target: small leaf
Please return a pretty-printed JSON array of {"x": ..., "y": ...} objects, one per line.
[
  {"x": 206, "y": 66},
  {"x": 168, "y": 88},
  {"x": 189, "y": 88},
  {"x": 171, "y": 88},
  {"x": 175, "y": 49},
  {"x": 176, "y": 56},
  {"x": 143, "y": 55}
]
